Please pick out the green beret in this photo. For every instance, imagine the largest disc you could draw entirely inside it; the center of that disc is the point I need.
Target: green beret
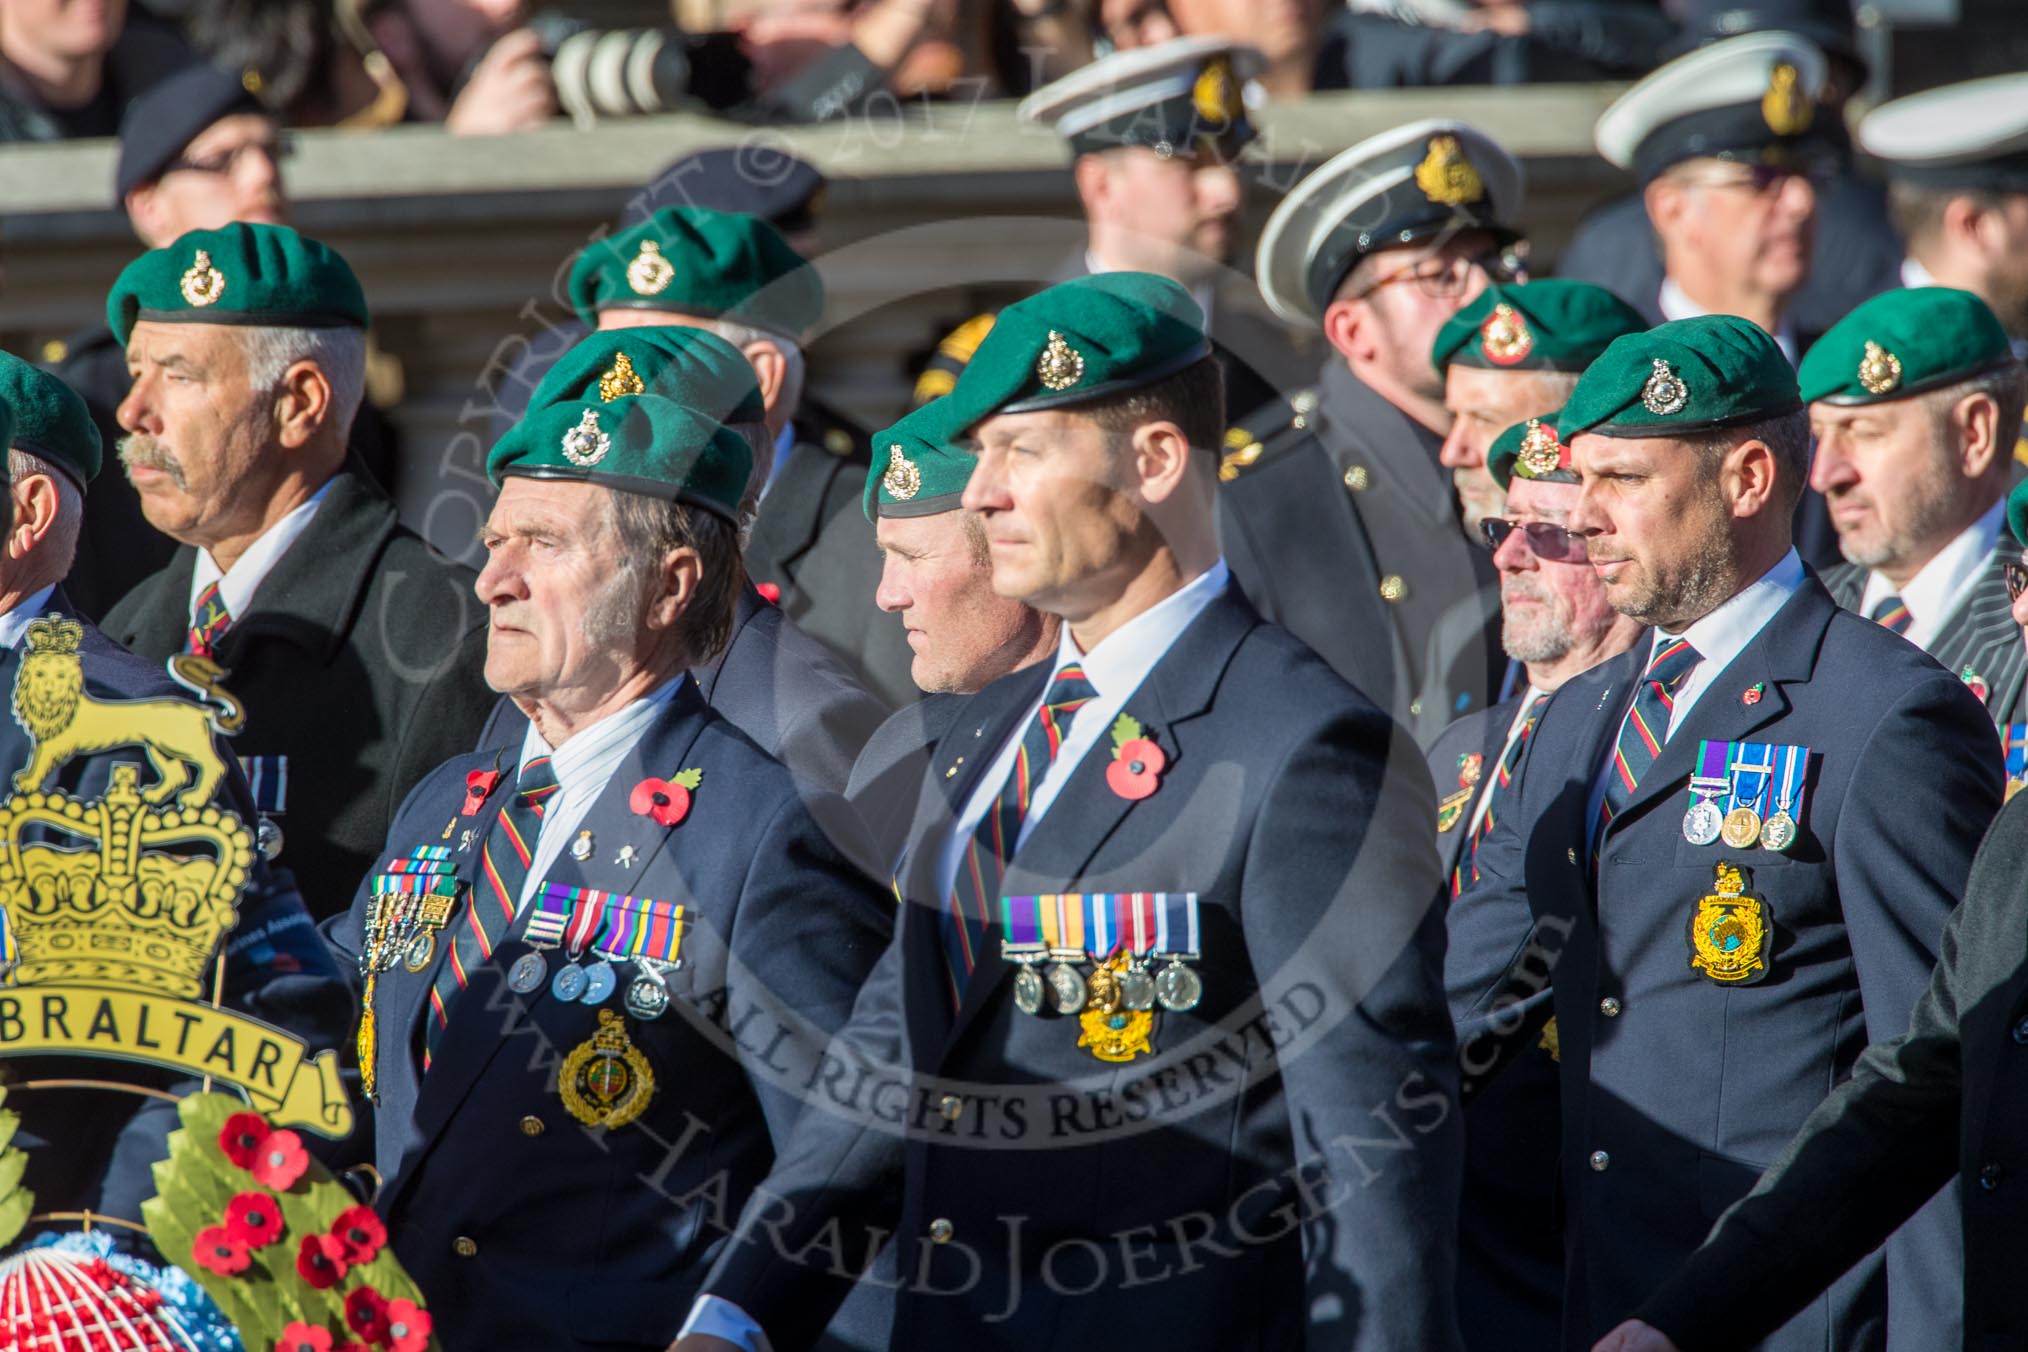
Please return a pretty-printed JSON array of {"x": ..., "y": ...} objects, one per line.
[
  {"x": 917, "y": 469},
  {"x": 1551, "y": 325},
  {"x": 47, "y": 418},
  {"x": 637, "y": 443},
  {"x": 1531, "y": 450},
  {"x": 691, "y": 366},
  {"x": 1901, "y": 343},
  {"x": 1682, "y": 378},
  {"x": 265, "y": 276},
  {"x": 2017, "y": 510},
  {"x": 696, "y": 261},
  {"x": 1084, "y": 339}
]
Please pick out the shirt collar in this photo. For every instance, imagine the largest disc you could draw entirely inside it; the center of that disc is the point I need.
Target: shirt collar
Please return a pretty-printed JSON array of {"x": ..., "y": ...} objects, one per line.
[
  {"x": 1914, "y": 273},
  {"x": 1675, "y": 303},
  {"x": 1123, "y": 659},
  {"x": 237, "y": 584},
  {"x": 587, "y": 749},
  {"x": 1724, "y": 633},
  {"x": 16, "y": 621},
  {"x": 1932, "y": 594}
]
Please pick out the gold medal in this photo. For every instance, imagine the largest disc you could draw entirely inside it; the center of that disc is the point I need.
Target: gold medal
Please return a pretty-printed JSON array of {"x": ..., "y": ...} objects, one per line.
[
  {"x": 1742, "y": 828},
  {"x": 1112, "y": 1031},
  {"x": 605, "y": 1081},
  {"x": 1729, "y": 931}
]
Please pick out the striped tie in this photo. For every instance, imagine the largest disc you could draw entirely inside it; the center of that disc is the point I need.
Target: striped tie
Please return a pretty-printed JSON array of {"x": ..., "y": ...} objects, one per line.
[
  {"x": 977, "y": 887},
  {"x": 208, "y": 621},
  {"x": 1501, "y": 777},
  {"x": 1890, "y": 613},
  {"x": 496, "y": 896},
  {"x": 1645, "y": 730}
]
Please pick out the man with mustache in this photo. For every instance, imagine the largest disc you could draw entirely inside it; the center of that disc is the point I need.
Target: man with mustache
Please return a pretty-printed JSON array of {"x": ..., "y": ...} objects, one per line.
[
  {"x": 1916, "y": 400},
  {"x": 355, "y": 648},
  {"x": 1713, "y": 863}
]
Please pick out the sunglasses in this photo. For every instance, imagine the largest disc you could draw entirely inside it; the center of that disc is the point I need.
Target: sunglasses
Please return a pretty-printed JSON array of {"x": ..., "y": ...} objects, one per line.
[
  {"x": 2017, "y": 579},
  {"x": 1548, "y": 542}
]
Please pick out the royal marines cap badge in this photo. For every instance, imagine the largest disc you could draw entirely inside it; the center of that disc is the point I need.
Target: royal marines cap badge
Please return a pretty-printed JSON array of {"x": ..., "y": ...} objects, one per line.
[
  {"x": 585, "y": 445},
  {"x": 621, "y": 380},
  {"x": 202, "y": 283},
  {"x": 1060, "y": 366},
  {"x": 1446, "y": 177},
  {"x": 1541, "y": 453},
  {"x": 1729, "y": 932},
  {"x": 1786, "y": 106},
  {"x": 650, "y": 273},
  {"x": 1879, "y": 369},
  {"x": 605, "y": 1081},
  {"x": 1664, "y": 393},
  {"x": 903, "y": 479},
  {"x": 1504, "y": 336}
]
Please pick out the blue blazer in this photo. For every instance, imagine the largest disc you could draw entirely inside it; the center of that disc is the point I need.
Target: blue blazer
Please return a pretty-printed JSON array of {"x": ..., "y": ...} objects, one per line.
[
  {"x": 485, "y": 1169},
  {"x": 1678, "y": 1091},
  {"x": 1280, "y": 1171}
]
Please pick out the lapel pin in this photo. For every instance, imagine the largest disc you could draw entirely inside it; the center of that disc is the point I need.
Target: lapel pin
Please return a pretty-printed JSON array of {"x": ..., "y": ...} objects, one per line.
[
  {"x": 625, "y": 858},
  {"x": 1137, "y": 762},
  {"x": 1974, "y": 682},
  {"x": 666, "y": 801},
  {"x": 1751, "y": 695},
  {"x": 581, "y": 848}
]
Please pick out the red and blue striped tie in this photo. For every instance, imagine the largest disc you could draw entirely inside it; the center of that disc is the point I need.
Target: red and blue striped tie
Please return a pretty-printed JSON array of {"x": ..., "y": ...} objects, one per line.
[
  {"x": 496, "y": 896},
  {"x": 209, "y": 620},
  {"x": 976, "y": 890},
  {"x": 1501, "y": 776},
  {"x": 1645, "y": 730},
  {"x": 1890, "y": 613}
]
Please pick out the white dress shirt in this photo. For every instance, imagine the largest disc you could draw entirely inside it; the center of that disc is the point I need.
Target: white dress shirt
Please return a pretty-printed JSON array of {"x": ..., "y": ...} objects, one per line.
[
  {"x": 1935, "y": 594},
  {"x": 16, "y": 621},
  {"x": 236, "y": 585},
  {"x": 583, "y": 767},
  {"x": 1529, "y": 698},
  {"x": 1718, "y": 638},
  {"x": 1675, "y": 303}
]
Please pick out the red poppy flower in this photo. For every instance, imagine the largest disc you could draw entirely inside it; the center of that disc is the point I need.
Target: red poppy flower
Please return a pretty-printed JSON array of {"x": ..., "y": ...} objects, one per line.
[
  {"x": 321, "y": 1261},
  {"x": 242, "y": 1137},
  {"x": 366, "y": 1314},
  {"x": 769, "y": 592},
  {"x": 216, "y": 1250},
  {"x": 408, "y": 1326},
  {"x": 253, "y": 1219},
  {"x": 301, "y": 1337},
  {"x": 280, "y": 1161},
  {"x": 478, "y": 783},
  {"x": 360, "y": 1231},
  {"x": 667, "y": 801},
  {"x": 1136, "y": 769}
]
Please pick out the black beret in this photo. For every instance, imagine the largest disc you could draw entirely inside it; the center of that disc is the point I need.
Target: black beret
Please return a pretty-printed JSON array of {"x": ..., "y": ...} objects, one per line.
[{"x": 163, "y": 120}]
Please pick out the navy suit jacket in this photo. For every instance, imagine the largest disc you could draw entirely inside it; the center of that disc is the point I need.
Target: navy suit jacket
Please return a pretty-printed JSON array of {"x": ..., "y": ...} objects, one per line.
[
  {"x": 1677, "y": 1090},
  {"x": 593, "y": 1238},
  {"x": 1282, "y": 1169}
]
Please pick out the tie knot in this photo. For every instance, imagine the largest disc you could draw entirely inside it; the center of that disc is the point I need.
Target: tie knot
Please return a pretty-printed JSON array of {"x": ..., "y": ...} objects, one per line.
[
  {"x": 537, "y": 780},
  {"x": 1069, "y": 689},
  {"x": 1673, "y": 663},
  {"x": 1890, "y": 613}
]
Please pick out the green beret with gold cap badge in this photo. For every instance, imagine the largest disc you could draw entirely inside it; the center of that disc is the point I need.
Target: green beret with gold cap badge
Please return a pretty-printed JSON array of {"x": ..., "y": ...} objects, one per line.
[
  {"x": 638, "y": 444},
  {"x": 1901, "y": 343},
  {"x": 1551, "y": 325},
  {"x": 262, "y": 276},
  {"x": 1085, "y": 339},
  {"x": 696, "y": 261},
  {"x": 1682, "y": 378},
  {"x": 49, "y": 419},
  {"x": 1531, "y": 450},
  {"x": 691, "y": 366},
  {"x": 918, "y": 470}
]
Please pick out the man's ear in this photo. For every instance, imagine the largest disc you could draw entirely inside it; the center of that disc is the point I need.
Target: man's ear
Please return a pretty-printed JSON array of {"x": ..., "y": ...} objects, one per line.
[
  {"x": 1665, "y": 200},
  {"x": 676, "y": 583},
  {"x": 1748, "y": 478},
  {"x": 302, "y": 404},
  {"x": 35, "y": 500},
  {"x": 1982, "y": 440},
  {"x": 144, "y": 212},
  {"x": 770, "y": 370},
  {"x": 1161, "y": 460},
  {"x": 1093, "y": 180},
  {"x": 1348, "y": 327}
]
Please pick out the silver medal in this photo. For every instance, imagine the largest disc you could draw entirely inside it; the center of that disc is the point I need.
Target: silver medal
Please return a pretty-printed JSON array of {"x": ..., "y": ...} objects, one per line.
[
  {"x": 1066, "y": 984},
  {"x": 418, "y": 951},
  {"x": 599, "y": 983},
  {"x": 1028, "y": 990},
  {"x": 646, "y": 997},
  {"x": 1177, "y": 987},
  {"x": 1779, "y": 831},
  {"x": 1137, "y": 988},
  {"x": 525, "y": 976},
  {"x": 1702, "y": 823},
  {"x": 269, "y": 838},
  {"x": 568, "y": 983}
]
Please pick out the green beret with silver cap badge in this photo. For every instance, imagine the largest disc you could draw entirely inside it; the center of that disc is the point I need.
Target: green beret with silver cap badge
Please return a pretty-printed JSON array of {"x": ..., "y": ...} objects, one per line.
[
  {"x": 637, "y": 444},
  {"x": 48, "y": 419},
  {"x": 1530, "y": 450},
  {"x": 1901, "y": 343},
  {"x": 696, "y": 261},
  {"x": 1680, "y": 379},
  {"x": 918, "y": 469},
  {"x": 261, "y": 276},
  {"x": 691, "y": 366},
  {"x": 1552, "y": 325}
]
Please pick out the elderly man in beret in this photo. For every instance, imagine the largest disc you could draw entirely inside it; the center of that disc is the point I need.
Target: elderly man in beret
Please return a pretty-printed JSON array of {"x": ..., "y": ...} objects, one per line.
[
  {"x": 1131, "y": 854},
  {"x": 630, "y": 881},
  {"x": 84, "y": 1150},
  {"x": 1916, "y": 400},
  {"x": 1556, "y": 623},
  {"x": 1727, "y": 893},
  {"x": 355, "y": 648},
  {"x": 737, "y": 276}
]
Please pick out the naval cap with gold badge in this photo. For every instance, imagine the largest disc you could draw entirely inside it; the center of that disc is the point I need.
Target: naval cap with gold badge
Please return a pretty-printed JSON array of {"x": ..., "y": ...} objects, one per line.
[
  {"x": 48, "y": 419},
  {"x": 1531, "y": 450},
  {"x": 1681, "y": 379},
  {"x": 692, "y": 366},
  {"x": 1968, "y": 136},
  {"x": 261, "y": 276},
  {"x": 1085, "y": 339},
  {"x": 639, "y": 443},
  {"x": 1415, "y": 184},
  {"x": 1901, "y": 343},
  {"x": 1750, "y": 99},
  {"x": 1552, "y": 325},
  {"x": 700, "y": 262},
  {"x": 918, "y": 468},
  {"x": 1181, "y": 97}
]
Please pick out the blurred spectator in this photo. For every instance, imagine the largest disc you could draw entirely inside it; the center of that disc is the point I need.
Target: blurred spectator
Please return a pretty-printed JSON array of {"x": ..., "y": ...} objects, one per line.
[
  {"x": 67, "y": 67},
  {"x": 1284, "y": 32},
  {"x": 1379, "y": 44},
  {"x": 470, "y": 64},
  {"x": 312, "y": 61}
]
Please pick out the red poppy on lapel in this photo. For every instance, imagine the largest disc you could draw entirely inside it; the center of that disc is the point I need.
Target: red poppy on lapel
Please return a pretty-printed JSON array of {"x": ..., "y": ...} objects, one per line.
[
  {"x": 1137, "y": 765},
  {"x": 478, "y": 783},
  {"x": 769, "y": 592},
  {"x": 667, "y": 801},
  {"x": 1751, "y": 696}
]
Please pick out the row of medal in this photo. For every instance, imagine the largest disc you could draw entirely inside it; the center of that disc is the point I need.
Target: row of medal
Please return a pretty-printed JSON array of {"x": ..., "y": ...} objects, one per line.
[
  {"x": 411, "y": 901},
  {"x": 1126, "y": 933},
  {"x": 2014, "y": 740},
  {"x": 614, "y": 929},
  {"x": 1746, "y": 794}
]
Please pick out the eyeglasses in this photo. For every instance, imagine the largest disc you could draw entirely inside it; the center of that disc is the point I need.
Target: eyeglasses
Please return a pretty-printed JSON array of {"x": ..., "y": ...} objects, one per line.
[
  {"x": 1546, "y": 541},
  {"x": 277, "y": 149},
  {"x": 1443, "y": 278},
  {"x": 1763, "y": 179},
  {"x": 2017, "y": 579}
]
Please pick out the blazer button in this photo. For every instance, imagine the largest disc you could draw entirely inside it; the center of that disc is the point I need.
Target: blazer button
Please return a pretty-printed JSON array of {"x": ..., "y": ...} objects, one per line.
[
  {"x": 951, "y": 1106},
  {"x": 532, "y": 1125},
  {"x": 940, "y": 1231},
  {"x": 1356, "y": 478},
  {"x": 1600, "y": 1161},
  {"x": 1989, "y": 1177},
  {"x": 2021, "y": 1032},
  {"x": 464, "y": 1246},
  {"x": 1392, "y": 589},
  {"x": 1609, "y": 1007}
]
